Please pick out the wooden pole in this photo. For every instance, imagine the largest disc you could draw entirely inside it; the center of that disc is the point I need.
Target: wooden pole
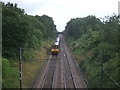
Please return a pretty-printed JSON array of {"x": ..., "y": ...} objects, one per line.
[{"x": 20, "y": 66}]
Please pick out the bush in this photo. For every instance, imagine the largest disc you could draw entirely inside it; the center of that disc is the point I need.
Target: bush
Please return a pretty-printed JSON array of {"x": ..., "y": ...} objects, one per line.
[{"x": 10, "y": 75}]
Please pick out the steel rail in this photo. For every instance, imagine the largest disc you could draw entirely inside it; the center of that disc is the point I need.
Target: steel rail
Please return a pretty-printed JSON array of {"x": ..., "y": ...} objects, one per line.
[{"x": 42, "y": 76}]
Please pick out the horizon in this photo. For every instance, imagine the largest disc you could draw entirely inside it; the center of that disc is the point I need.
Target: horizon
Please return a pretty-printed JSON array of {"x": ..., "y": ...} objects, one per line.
[{"x": 62, "y": 11}]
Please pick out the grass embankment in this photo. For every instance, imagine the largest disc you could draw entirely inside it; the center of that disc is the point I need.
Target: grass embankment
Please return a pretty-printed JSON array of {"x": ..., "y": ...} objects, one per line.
[
  {"x": 92, "y": 71},
  {"x": 30, "y": 67},
  {"x": 96, "y": 44}
]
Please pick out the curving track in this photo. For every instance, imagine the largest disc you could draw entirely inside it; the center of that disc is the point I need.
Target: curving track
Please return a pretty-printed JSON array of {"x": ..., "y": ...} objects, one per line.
[{"x": 60, "y": 71}]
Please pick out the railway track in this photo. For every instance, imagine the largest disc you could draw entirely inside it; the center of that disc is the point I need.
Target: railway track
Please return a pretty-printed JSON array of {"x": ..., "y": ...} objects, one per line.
[{"x": 60, "y": 72}]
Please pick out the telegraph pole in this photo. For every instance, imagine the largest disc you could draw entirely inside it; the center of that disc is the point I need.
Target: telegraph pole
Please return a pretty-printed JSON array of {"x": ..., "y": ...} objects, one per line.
[{"x": 20, "y": 66}]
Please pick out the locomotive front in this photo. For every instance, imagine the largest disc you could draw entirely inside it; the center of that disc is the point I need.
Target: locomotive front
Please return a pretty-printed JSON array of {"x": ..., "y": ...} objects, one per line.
[{"x": 55, "y": 48}]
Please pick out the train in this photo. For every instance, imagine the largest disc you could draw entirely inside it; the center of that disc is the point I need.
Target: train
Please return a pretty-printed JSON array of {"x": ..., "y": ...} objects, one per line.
[{"x": 56, "y": 46}]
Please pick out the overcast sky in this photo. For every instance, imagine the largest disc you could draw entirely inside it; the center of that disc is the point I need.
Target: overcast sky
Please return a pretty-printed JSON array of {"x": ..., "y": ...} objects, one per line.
[{"x": 63, "y": 10}]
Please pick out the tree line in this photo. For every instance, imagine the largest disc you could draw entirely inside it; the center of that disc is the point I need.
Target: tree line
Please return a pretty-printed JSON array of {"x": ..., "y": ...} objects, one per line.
[
  {"x": 22, "y": 30},
  {"x": 94, "y": 40}
]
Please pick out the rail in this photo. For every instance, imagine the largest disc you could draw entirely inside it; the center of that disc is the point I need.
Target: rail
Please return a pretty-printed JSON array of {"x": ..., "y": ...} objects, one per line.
[{"x": 98, "y": 64}]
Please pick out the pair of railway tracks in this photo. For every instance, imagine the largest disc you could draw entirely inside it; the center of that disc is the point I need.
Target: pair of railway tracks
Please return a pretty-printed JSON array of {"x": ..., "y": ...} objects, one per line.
[
  {"x": 73, "y": 77},
  {"x": 60, "y": 72},
  {"x": 45, "y": 79}
]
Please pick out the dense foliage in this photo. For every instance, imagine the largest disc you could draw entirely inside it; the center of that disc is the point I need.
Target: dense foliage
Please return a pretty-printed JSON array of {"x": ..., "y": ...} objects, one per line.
[
  {"x": 21, "y": 30},
  {"x": 93, "y": 41},
  {"x": 10, "y": 75},
  {"x": 49, "y": 23},
  {"x": 77, "y": 27}
]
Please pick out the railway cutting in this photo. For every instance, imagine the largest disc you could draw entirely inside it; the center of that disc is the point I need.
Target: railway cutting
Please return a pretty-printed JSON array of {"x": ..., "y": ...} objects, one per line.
[{"x": 60, "y": 71}]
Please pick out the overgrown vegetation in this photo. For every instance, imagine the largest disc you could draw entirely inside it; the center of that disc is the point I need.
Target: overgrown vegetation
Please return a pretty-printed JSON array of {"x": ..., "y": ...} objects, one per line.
[
  {"x": 22, "y": 30},
  {"x": 32, "y": 66},
  {"x": 10, "y": 75},
  {"x": 92, "y": 42}
]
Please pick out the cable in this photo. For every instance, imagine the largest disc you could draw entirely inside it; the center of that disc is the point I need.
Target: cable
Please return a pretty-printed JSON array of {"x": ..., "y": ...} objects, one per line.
[
  {"x": 111, "y": 78},
  {"x": 98, "y": 64}
]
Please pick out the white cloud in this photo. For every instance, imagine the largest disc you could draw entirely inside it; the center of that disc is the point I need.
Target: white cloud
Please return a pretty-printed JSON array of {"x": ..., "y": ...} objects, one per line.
[{"x": 63, "y": 10}]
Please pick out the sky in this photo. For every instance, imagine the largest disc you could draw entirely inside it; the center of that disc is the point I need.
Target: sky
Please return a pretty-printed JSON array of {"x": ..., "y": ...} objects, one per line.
[{"x": 62, "y": 11}]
